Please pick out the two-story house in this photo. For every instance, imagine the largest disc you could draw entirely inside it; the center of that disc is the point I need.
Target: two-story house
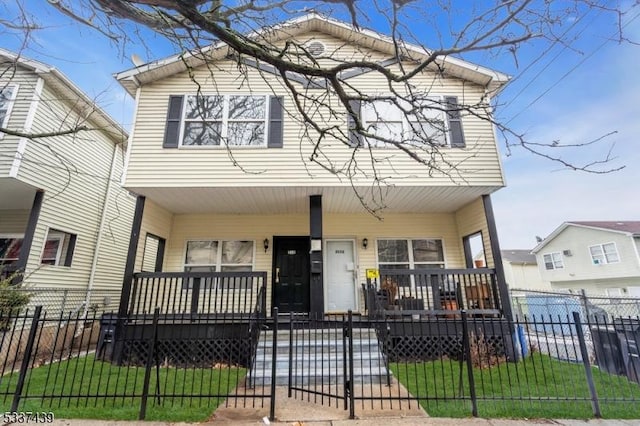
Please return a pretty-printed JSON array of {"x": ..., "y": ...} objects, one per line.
[
  {"x": 601, "y": 257},
  {"x": 243, "y": 197},
  {"x": 64, "y": 218}
]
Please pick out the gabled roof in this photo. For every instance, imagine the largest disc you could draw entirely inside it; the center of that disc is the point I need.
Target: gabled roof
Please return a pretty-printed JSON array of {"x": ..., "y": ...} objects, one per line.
[
  {"x": 519, "y": 256},
  {"x": 69, "y": 91},
  {"x": 153, "y": 71},
  {"x": 628, "y": 227}
]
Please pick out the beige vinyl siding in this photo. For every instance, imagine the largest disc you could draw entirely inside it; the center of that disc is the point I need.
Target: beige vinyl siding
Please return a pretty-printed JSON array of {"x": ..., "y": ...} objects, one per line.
[
  {"x": 352, "y": 226},
  {"x": 74, "y": 171},
  {"x": 26, "y": 81},
  {"x": 579, "y": 266},
  {"x": 156, "y": 221},
  {"x": 116, "y": 231},
  {"x": 524, "y": 276},
  {"x": 152, "y": 166},
  {"x": 471, "y": 219},
  {"x": 13, "y": 221}
]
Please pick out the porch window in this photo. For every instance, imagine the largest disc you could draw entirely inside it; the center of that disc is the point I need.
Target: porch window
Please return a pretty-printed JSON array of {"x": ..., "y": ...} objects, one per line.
[
  {"x": 410, "y": 254},
  {"x": 604, "y": 253},
  {"x": 428, "y": 119},
  {"x": 220, "y": 256},
  {"x": 9, "y": 249},
  {"x": 553, "y": 261},
  {"x": 234, "y": 120},
  {"x": 58, "y": 248},
  {"x": 7, "y": 96}
]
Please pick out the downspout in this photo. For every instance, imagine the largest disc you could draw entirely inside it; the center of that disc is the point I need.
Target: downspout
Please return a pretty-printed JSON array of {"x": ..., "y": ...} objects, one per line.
[{"x": 103, "y": 220}]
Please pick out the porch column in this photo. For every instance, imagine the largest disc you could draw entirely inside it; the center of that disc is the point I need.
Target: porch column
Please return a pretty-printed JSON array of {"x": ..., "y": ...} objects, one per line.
[
  {"x": 127, "y": 280},
  {"x": 497, "y": 257},
  {"x": 316, "y": 306},
  {"x": 27, "y": 241}
]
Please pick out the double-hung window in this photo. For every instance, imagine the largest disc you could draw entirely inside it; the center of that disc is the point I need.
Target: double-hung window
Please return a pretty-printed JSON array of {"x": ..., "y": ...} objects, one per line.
[
  {"x": 410, "y": 254},
  {"x": 604, "y": 253},
  {"x": 58, "y": 248},
  {"x": 232, "y": 120},
  {"x": 220, "y": 256},
  {"x": 9, "y": 249},
  {"x": 433, "y": 121},
  {"x": 553, "y": 261},
  {"x": 7, "y": 97}
]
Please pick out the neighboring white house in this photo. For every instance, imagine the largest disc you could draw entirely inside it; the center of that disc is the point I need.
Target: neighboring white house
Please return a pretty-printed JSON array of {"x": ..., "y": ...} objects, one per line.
[
  {"x": 521, "y": 271},
  {"x": 299, "y": 223},
  {"x": 64, "y": 218},
  {"x": 600, "y": 257}
]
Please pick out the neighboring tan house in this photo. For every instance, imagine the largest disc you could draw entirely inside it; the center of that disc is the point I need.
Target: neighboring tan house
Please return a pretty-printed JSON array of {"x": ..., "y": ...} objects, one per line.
[
  {"x": 198, "y": 211},
  {"x": 521, "y": 271},
  {"x": 64, "y": 218},
  {"x": 600, "y": 257}
]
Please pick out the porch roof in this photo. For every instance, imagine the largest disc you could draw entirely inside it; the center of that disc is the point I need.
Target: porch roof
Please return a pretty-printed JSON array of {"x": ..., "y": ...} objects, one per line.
[{"x": 293, "y": 200}]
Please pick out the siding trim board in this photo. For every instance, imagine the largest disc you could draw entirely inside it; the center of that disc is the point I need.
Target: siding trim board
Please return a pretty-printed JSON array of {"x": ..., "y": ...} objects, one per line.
[{"x": 28, "y": 124}]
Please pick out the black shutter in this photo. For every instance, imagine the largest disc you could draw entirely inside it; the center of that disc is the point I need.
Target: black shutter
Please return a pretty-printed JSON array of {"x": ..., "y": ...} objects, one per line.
[
  {"x": 172, "y": 127},
  {"x": 276, "y": 113},
  {"x": 355, "y": 138},
  {"x": 456, "y": 135}
]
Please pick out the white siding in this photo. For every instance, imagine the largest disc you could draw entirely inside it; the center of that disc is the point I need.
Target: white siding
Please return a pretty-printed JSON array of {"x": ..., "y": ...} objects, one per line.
[
  {"x": 152, "y": 166},
  {"x": 26, "y": 81},
  {"x": 579, "y": 266},
  {"x": 74, "y": 171},
  {"x": 524, "y": 276}
]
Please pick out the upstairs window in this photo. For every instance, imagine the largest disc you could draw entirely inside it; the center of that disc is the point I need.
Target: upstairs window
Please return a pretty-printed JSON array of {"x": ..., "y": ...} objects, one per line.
[
  {"x": 224, "y": 120},
  {"x": 7, "y": 97},
  {"x": 553, "y": 261},
  {"x": 58, "y": 248},
  {"x": 434, "y": 120},
  {"x": 237, "y": 119},
  {"x": 604, "y": 253}
]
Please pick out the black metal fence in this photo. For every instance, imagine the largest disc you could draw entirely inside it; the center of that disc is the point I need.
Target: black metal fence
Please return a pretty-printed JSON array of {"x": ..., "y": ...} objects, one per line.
[
  {"x": 203, "y": 293},
  {"x": 66, "y": 364}
]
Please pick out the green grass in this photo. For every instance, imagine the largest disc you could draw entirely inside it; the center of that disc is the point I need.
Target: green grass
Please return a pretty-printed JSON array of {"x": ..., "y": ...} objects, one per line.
[
  {"x": 539, "y": 378},
  {"x": 88, "y": 376}
]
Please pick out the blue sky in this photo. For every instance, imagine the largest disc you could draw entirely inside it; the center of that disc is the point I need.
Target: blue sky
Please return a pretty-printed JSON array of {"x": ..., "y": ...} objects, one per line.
[{"x": 593, "y": 89}]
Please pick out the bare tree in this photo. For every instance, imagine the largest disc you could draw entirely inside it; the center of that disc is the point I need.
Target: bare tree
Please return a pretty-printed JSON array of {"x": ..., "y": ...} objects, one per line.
[{"x": 318, "y": 82}]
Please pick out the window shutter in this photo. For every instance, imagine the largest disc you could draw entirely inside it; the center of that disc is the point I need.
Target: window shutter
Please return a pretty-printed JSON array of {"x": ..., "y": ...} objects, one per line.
[
  {"x": 456, "y": 135},
  {"x": 355, "y": 139},
  {"x": 172, "y": 127},
  {"x": 276, "y": 113}
]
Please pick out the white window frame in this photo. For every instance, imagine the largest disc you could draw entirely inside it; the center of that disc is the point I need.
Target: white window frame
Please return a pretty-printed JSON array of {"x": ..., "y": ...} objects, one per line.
[
  {"x": 10, "y": 102},
  {"x": 64, "y": 238},
  {"x": 218, "y": 265},
  {"x": 225, "y": 122},
  {"x": 412, "y": 263},
  {"x": 12, "y": 237},
  {"x": 407, "y": 127},
  {"x": 605, "y": 261},
  {"x": 553, "y": 260}
]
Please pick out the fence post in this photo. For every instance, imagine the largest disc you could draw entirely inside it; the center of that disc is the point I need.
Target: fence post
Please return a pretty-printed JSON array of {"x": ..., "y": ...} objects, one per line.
[
  {"x": 289, "y": 384},
  {"x": 595, "y": 404},
  {"x": 147, "y": 372},
  {"x": 466, "y": 345},
  {"x": 585, "y": 303},
  {"x": 274, "y": 357},
  {"x": 24, "y": 367},
  {"x": 350, "y": 384}
]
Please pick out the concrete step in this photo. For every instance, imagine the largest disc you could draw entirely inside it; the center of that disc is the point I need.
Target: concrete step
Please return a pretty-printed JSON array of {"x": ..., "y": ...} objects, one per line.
[
  {"x": 321, "y": 360},
  {"x": 262, "y": 377}
]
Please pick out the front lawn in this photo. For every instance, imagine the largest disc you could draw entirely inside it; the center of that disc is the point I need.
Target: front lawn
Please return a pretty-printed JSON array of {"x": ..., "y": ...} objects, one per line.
[
  {"x": 538, "y": 387},
  {"x": 92, "y": 389}
]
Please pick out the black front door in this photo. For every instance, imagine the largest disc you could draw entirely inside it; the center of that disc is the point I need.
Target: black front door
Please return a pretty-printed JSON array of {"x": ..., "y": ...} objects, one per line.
[{"x": 290, "y": 275}]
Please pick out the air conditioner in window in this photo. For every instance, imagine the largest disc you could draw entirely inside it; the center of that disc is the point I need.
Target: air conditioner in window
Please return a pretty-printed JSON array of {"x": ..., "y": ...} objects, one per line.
[
  {"x": 596, "y": 261},
  {"x": 567, "y": 253}
]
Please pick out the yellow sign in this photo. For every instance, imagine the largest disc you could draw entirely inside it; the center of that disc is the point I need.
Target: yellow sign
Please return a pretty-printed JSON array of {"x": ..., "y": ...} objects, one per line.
[{"x": 372, "y": 274}]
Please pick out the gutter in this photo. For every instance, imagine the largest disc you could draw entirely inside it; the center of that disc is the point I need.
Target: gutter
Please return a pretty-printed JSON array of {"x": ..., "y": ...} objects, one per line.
[{"x": 103, "y": 220}]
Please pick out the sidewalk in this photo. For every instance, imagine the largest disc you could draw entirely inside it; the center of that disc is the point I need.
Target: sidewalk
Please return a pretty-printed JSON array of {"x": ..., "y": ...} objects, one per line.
[{"x": 305, "y": 411}]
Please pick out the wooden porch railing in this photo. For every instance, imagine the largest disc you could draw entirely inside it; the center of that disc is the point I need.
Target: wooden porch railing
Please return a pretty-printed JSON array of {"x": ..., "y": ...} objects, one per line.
[
  {"x": 436, "y": 290},
  {"x": 202, "y": 293}
]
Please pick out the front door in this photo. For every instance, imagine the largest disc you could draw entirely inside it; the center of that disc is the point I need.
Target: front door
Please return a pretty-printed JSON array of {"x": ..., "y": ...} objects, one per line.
[
  {"x": 340, "y": 277},
  {"x": 290, "y": 275}
]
